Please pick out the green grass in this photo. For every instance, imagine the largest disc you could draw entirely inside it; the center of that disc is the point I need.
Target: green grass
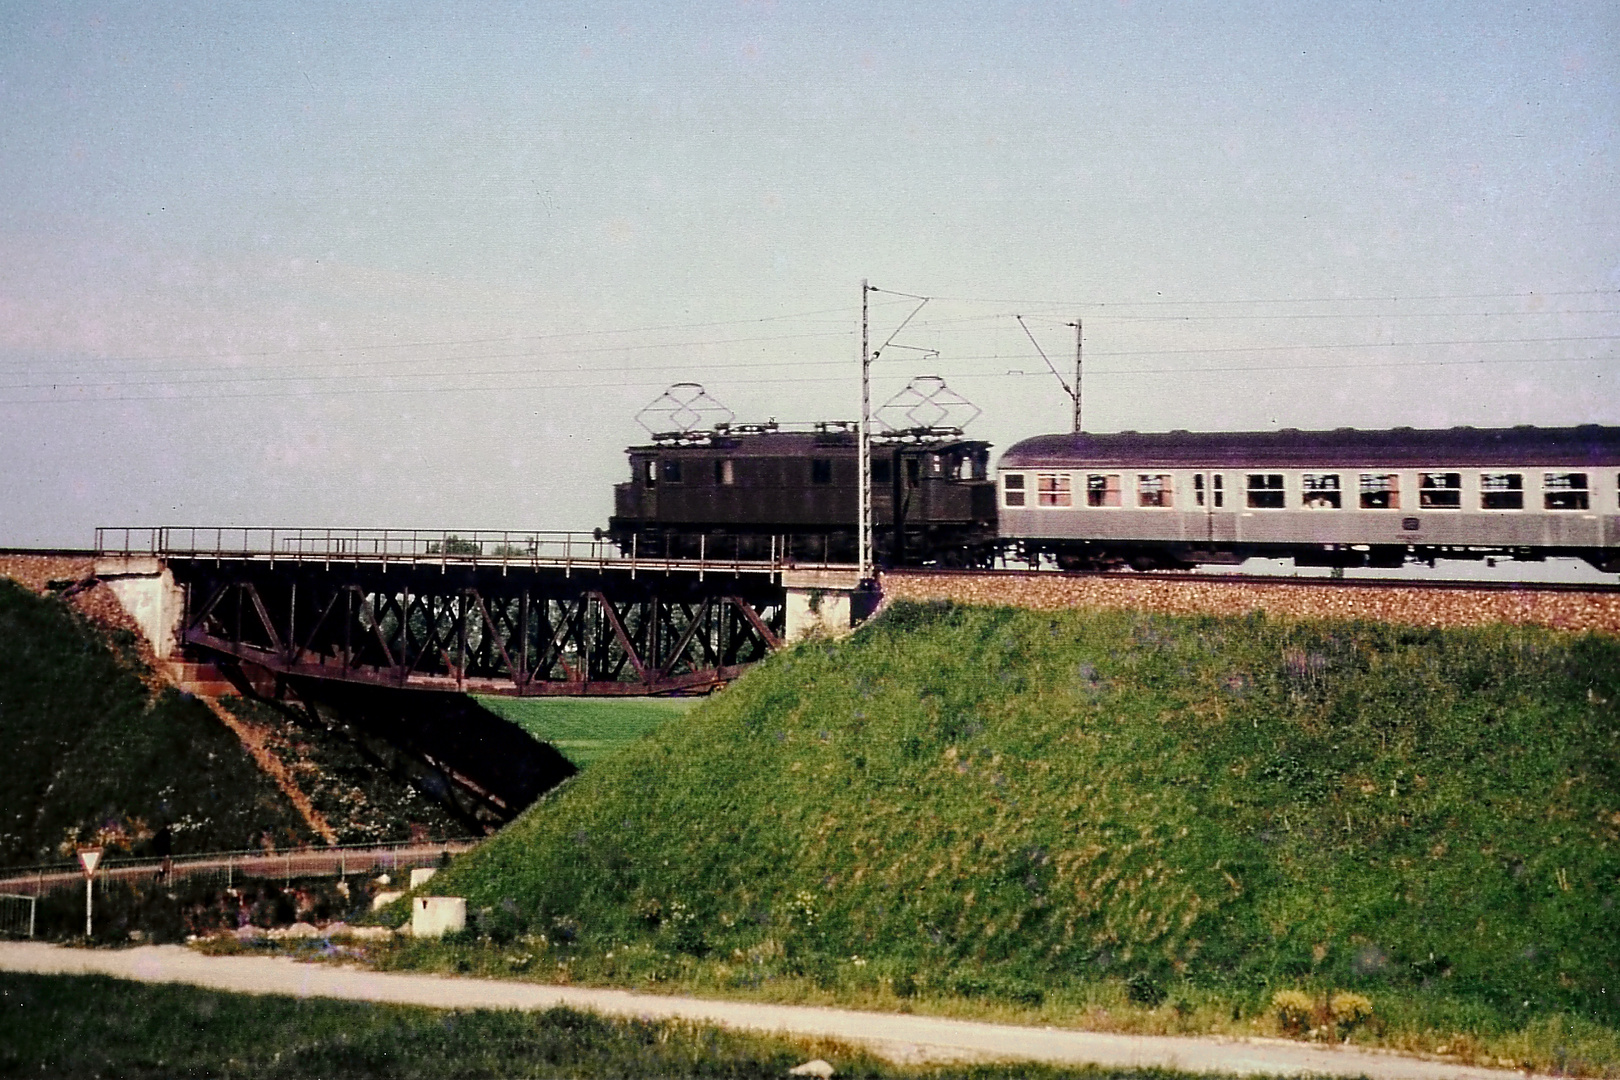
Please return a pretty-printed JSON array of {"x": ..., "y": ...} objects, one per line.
[
  {"x": 90, "y": 751},
  {"x": 1051, "y": 815},
  {"x": 92, "y": 1026},
  {"x": 586, "y": 730}
]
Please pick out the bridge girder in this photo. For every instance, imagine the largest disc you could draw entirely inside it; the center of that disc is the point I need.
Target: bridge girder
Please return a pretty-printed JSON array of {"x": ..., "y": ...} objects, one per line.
[{"x": 483, "y": 629}]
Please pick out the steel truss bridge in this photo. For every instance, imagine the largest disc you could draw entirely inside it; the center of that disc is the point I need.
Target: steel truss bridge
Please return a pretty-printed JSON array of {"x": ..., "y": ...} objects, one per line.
[{"x": 501, "y": 613}]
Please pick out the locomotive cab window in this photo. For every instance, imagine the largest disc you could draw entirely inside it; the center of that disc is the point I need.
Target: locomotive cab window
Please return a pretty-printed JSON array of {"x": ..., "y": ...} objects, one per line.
[
  {"x": 651, "y": 473},
  {"x": 1154, "y": 489},
  {"x": 1501, "y": 491},
  {"x": 671, "y": 472},
  {"x": 725, "y": 472},
  {"x": 1012, "y": 489},
  {"x": 1320, "y": 491},
  {"x": 1266, "y": 491},
  {"x": 1440, "y": 490},
  {"x": 970, "y": 467},
  {"x": 821, "y": 470},
  {"x": 1380, "y": 491},
  {"x": 1053, "y": 490},
  {"x": 1565, "y": 491},
  {"x": 882, "y": 471},
  {"x": 1102, "y": 489}
]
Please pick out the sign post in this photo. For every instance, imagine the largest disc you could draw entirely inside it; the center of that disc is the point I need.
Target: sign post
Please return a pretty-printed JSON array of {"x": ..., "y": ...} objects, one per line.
[{"x": 89, "y": 857}]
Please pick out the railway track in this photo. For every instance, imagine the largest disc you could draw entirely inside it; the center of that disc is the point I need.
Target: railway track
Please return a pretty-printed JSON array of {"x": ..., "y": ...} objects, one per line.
[
  {"x": 1189, "y": 576},
  {"x": 1558, "y": 605}
]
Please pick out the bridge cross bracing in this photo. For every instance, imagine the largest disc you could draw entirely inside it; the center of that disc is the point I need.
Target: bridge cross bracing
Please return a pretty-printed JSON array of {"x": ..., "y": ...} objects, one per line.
[{"x": 521, "y": 614}]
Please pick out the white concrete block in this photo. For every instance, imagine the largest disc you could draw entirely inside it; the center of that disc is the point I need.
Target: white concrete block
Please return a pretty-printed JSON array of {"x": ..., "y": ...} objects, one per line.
[
  {"x": 422, "y": 874},
  {"x": 435, "y": 916}
]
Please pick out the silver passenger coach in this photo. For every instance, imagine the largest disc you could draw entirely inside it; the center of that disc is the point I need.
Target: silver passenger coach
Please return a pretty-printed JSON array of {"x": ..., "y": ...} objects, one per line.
[{"x": 1323, "y": 498}]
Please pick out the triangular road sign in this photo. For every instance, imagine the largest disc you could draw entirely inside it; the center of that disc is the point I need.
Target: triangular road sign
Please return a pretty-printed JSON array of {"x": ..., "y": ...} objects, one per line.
[{"x": 88, "y": 858}]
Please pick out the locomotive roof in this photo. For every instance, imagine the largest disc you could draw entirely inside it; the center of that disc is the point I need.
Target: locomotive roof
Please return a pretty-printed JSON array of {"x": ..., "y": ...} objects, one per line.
[
  {"x": 788, "y": 444},
  {"x": 1466, "y": 447}
]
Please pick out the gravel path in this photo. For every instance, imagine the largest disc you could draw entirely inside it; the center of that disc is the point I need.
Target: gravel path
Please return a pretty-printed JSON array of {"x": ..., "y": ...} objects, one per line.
[{"x": 899, "y": 1037}]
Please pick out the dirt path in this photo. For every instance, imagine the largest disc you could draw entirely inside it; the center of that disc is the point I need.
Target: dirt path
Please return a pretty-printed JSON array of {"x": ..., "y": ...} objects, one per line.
[{"x": 899, "y": 1037}]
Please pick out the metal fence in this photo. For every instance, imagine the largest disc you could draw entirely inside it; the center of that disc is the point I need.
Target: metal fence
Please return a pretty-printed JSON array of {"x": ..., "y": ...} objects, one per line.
[
  {"x": 228, "y": 867},
  {"x": 17, "y": 914},
  {"x": 478, "y": 547}
]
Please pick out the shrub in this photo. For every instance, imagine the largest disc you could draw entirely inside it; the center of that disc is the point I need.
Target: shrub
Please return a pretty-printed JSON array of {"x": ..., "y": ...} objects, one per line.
[
  {"x": 1350, "y": 1010},
  {"x": 1143, "y": 989},
  {"x": 1294, "y": 1009}
]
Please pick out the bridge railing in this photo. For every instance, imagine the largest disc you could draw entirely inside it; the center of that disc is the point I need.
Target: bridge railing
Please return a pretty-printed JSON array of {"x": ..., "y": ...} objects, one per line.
[{"x": 481, "y": 547}]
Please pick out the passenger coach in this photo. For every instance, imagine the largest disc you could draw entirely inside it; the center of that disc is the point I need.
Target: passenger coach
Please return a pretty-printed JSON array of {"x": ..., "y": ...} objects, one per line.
[{"x": 1323, "y": 498}]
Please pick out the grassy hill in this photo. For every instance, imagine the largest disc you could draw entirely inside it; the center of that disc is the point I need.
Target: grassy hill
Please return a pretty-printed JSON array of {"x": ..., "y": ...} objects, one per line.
[
  {"x": 1034, "y": 808},
  {"x": 92, "y": 753}
]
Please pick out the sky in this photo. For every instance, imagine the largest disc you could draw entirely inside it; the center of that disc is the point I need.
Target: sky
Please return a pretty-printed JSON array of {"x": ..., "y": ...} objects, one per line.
[{"x": 419, "y": 266}]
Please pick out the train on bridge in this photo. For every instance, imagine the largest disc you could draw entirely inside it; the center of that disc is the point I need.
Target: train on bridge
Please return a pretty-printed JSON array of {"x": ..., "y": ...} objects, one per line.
[
  {"x": 727, "y": 541},
  {"x": 1171, "y": 500}
]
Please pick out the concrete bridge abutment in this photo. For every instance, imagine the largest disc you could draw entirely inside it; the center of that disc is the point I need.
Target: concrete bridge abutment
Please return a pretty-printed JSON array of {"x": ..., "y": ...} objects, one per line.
[
  {"x": 148, "y": 591},
  {"x": 830, "y": 602}
]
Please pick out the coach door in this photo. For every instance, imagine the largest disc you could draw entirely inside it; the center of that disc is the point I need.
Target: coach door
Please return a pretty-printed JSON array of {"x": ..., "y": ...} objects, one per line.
[{"x": 1209, "y": 496}]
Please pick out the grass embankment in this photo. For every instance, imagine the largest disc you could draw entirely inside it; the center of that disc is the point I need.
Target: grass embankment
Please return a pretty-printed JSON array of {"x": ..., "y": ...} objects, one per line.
[
  {"x": 1114, "y": 820},
  {"x": 586, "y": 730},
  {"x": 93, "y": 754},
  {"x": 71, "y": 1026}
]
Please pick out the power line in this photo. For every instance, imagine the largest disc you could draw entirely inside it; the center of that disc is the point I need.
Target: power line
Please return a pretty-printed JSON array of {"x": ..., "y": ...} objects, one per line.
[
  {"x": 170, "y": 375},
  {"x": 1391, "y": 298},
  {"x": 508, "y": 338},
  {"x": 1312, "y": 367},
  {"x": 85, "y": 399}
]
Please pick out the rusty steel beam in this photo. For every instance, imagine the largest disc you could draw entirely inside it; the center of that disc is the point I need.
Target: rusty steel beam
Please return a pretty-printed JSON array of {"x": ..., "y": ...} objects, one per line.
[{"x": 518, "y": 631}]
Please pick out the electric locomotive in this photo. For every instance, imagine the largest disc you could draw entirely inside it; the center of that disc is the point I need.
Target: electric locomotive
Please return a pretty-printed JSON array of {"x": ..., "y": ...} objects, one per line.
[{"x": 760, "y": 491}]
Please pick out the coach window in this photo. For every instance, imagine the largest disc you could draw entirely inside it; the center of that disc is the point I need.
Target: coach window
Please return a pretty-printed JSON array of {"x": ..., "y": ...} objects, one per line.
[
  {"x": 1012, "y": 489},
  {"x": 672, "y": 472},
  {"x": 725, "y": 472},
  {"x": 1053, "y": 490},
  {"x": 821, "y": 470},
  {"x": 1501, "y": 491},
  {"x": 1266, "y": 491},
  {"x": 652, "y": 472},
  {"x": 1213, "y": 493},
  {"x": 1565, "y": 491},
  {"x": 1320, "y": 491},
  {"x": 1154, "y": 489},
  {"x": 1380, "y": 491},
  {"x": 1440, "y": 491},
  {"x": 1102, "y": 490}
]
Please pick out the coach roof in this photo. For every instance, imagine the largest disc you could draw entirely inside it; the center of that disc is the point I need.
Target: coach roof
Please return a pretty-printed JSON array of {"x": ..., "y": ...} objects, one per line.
[{"x": 1463, "y": 447}]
